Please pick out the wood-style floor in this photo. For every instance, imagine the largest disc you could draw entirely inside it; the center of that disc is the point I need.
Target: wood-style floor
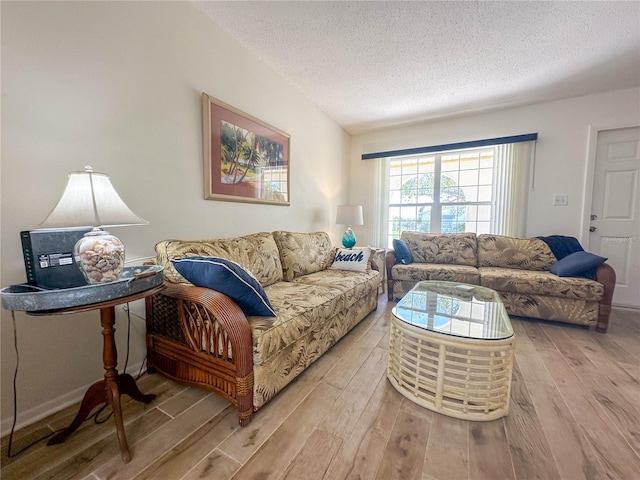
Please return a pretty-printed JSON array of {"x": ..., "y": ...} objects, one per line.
[{"x": 575, "y": 414}]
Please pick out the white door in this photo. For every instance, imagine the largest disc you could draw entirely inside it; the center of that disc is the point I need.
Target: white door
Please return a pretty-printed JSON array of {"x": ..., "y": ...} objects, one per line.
[{"x": 615, "y": 210}]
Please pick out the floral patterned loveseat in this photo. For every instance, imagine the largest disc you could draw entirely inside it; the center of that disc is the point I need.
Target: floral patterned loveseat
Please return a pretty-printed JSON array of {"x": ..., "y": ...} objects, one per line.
[
  {"x": 517, "y": 268},
  {"x": 199, "y": 336}
]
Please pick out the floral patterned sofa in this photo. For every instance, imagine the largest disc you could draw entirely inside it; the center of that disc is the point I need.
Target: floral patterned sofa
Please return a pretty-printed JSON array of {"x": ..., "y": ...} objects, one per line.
[
  {"x": 517, "y": 268},
  {"x": 199, "y": 336}
]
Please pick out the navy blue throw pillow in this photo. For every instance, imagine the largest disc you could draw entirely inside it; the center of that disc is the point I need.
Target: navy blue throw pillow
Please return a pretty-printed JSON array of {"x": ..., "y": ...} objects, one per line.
[
  {"x": 403, "y": 255},
  {"x": 229, "y": 278},
  {"x": 576, "y": 264}
]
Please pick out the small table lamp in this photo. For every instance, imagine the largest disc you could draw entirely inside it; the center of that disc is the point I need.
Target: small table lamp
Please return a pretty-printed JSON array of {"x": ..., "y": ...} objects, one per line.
[
  {"x": 349, "y": 215},
  {"x": 89, "y": 200}
]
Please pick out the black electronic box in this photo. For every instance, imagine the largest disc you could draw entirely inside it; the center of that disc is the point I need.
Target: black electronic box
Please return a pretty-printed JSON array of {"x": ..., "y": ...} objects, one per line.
[{"x": 48, "y": 257}]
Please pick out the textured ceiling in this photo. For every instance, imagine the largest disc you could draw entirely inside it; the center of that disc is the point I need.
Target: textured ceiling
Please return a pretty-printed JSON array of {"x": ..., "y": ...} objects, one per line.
[{"x": 370, "y": 65}]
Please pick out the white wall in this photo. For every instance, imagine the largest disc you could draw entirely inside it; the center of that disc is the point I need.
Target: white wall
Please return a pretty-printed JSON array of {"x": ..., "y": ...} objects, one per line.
[
  {"x": 561, "y": 165},
  {"x": 117, "y": 85}
]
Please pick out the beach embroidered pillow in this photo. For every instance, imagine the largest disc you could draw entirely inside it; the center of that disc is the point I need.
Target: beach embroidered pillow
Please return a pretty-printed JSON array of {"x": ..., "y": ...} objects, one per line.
[
  {"x": 354, "y": 260},
  {"x": 229, "y": 278}
]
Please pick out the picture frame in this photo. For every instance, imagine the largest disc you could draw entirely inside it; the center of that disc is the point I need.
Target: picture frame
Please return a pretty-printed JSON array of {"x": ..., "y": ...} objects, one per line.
[{"x": 245, "y": 159}]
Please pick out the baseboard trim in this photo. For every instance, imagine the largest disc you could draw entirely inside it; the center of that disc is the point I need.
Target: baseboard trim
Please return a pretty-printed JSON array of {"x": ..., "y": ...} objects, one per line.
[
  {"x": 628, "y": 308},
  {"x": 28, "y": 417}
]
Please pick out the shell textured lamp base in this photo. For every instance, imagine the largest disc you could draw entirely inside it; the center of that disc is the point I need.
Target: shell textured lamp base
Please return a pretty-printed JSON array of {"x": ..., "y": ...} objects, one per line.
[{"x": 100, "y": 256}]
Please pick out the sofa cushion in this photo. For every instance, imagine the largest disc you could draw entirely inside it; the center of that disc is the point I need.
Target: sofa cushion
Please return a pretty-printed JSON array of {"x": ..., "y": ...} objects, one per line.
[
  {"x": 571, "y": 310},
  {"x": 456, "y": 248},
  {"x": 300, "y": 308},
  {"x": 258, "y": 253},
  {"x": 532, "y": 282},
  {"x": 453, "y": 273},
  {"x": 303, "y": 253},
  {"x": 355, "y": 260},
  {"x": 417, "y": 272},
  {"x": 577, "y": 264},
  {"x": 353, "y": 285},
  {"x": 512, "y": 252},
  {"x": 273, "y": 373},
  {"x": 229, "y": 278},
  {"x": 402, "y": 252}
]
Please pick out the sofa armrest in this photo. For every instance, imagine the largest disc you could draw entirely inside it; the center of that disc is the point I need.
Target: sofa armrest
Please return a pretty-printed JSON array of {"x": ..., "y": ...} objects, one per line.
[
  {"x": 373, "y": 265},
  {"x": 199, "y": 309},
  {"x": 216, "y": 338},
  {"x": 390, "y": 262},
  {"x": 605, "y": 275}
]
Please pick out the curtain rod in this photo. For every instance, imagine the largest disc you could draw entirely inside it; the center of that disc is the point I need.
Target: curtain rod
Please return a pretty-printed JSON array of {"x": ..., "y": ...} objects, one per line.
[{"x": 452, "y": 146}]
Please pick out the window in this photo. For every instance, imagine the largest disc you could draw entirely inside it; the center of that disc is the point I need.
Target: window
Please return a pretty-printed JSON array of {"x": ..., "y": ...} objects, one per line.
[
  {"x": 446, "y": 192},
  {"x": 481, "y": 190}
]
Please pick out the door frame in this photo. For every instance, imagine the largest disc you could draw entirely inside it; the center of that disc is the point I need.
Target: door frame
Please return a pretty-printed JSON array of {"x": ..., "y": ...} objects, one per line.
[{"x": 590, "y": 171}]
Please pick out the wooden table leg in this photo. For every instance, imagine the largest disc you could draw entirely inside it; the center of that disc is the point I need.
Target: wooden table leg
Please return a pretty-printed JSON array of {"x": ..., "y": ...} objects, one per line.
[
  {"x": 108, "y": 390},
  {"x": 94, "y": 397}
]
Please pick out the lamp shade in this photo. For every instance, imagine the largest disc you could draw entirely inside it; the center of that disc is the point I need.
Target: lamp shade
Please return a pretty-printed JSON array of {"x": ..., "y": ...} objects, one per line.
[
  {"x": 89, "y": 200},
  {"x": 349, "y": 215}
]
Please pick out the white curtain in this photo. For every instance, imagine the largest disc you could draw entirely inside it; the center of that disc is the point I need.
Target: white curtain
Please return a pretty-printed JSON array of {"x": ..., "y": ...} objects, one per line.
[
  {"x": 381, "y": 200},
  {"x": 513, "y": 162}
]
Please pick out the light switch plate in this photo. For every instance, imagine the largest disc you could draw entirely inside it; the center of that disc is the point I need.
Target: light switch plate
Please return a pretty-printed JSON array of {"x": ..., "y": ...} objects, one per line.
[{"x": 560, "y": 200}]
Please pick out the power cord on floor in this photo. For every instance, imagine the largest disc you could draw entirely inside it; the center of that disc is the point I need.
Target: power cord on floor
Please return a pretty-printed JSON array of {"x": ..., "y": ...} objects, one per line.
[
  {"x": 15, "y": 397},
  {"x": 144, "y": 361},
  {"x": 95, "y": 418}
]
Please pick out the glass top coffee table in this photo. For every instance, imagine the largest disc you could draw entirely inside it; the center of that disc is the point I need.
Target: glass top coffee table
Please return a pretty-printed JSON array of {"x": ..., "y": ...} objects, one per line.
[{"x": 451, "y": 349}]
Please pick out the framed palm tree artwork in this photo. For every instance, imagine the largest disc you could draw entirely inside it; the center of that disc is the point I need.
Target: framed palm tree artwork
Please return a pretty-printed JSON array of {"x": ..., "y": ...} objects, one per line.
[{"x": 245, "y": 159}]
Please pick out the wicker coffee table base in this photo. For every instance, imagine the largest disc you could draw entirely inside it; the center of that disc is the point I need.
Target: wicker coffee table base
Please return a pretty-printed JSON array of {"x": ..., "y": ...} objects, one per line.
[{"x": 460, "y": 377}]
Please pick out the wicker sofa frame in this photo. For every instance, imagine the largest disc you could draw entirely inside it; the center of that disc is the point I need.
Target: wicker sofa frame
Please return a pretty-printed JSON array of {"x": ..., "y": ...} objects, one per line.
[
  {"x": 210, "y": 346},
  {"x": 179, "y": 351},
  {"x": 201, "y": 337}
]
